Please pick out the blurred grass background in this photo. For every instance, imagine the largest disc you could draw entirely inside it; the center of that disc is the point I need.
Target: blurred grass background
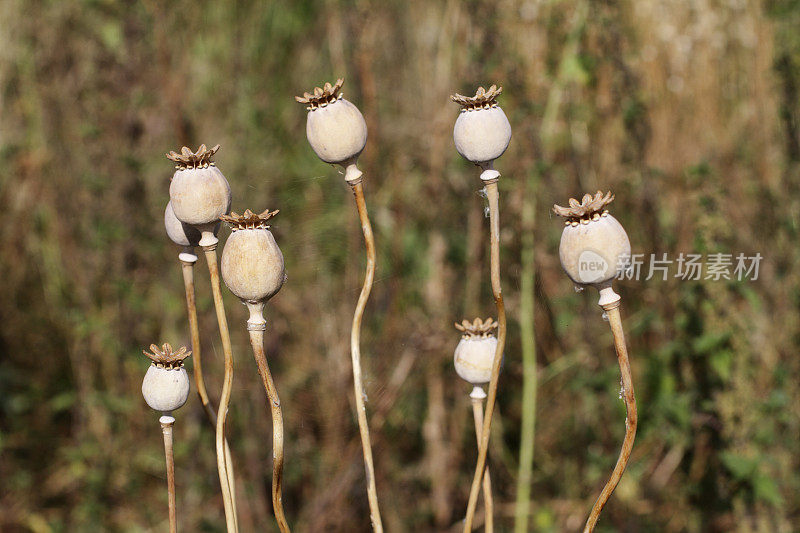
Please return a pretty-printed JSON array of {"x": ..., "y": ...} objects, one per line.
[{"x": 688, "y": 110}]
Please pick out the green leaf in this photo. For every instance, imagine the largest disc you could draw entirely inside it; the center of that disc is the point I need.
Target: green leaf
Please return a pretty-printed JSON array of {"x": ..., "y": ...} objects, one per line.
[
  {"x": 710, "y": 341},
  {"x": 741, "y": 468},
  {"x": 721, "y": 362},
  {"x": 766, "y": 490}
]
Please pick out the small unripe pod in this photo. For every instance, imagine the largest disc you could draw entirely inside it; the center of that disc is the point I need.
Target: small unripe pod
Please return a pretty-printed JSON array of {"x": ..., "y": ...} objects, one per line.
[
  {"x": 179, "y": 232},
  {"x": 166, "y": 383},
  {"x": 474, "y": 354},
  {"x": 482, "y": 131},
  {"x": 594, "y": 246},
  {"x": 335, "y": 128},
  {"x": 252, "y": 264},
  {"x": 199, "y": 193},
  {"x": 165, "y": 389},
  {"x": 473, "y": 359}
]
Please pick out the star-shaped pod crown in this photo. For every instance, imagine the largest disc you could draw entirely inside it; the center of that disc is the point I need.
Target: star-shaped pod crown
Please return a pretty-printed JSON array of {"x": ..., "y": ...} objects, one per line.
[
  {"x": 248, "y": 220},
  {"x": 588, "y": 209},
  {"x": 483, "y": 99},
  {"x": 327, "y": 94},
  {"x": 165, "y": 357},
  {"x": 477, "y": 328},
  {"x": 188, "y": 159}
]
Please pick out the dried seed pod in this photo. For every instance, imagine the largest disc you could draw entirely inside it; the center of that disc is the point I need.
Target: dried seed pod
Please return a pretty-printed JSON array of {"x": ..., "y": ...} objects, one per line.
[
  {"x": 335, "y": 128},
  {"x": 166, "y": 383},
  {"x": 474, "y": 354},
  {"x": 199, "y": 193},
  {"x": 179, "y": 232},
  {"x": 482, "y": 131},
  {"x": 252, "y": 264},
  {"x": 594, "y": 247}
]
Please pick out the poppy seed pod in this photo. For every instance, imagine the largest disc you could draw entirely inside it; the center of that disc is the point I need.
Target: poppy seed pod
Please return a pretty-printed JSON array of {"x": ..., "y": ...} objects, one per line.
[
  {"x": 180, "y": 233},
  {"x": 475, "y": 351},
  {"x": 199, "y": 193},
  {"x": 482, "y": 131},
  {"x": 166, "y": 383},
  {"x": 594, "y": 247},
  {"x": 252, "y": 264},
  {"x": 336, "y": 129}
]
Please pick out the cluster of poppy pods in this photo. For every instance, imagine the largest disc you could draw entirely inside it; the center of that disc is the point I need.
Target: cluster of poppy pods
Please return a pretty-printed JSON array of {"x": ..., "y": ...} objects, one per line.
[{"x": 252, "y": 267}]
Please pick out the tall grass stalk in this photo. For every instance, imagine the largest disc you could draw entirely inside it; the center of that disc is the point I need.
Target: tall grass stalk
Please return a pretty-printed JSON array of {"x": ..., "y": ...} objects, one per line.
[{"x": 529, "y": 377}]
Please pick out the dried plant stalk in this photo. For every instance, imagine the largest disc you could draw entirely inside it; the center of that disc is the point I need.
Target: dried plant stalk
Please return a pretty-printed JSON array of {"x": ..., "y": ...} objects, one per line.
[
  {"x": 191, "y": 308},
  {"x": 166, "y": 428},
  {"x": 488, "y": 500},
  {"x": 614, "y": 320},
  {"x": 257, "y": 342},
  {"x": 194, "y": 329},
  {"x": 355, "y": 352},
  {"x": 492, "y": 195},
  {"x": 337, "y": 132},
  {"x": 222, "y": 411}
]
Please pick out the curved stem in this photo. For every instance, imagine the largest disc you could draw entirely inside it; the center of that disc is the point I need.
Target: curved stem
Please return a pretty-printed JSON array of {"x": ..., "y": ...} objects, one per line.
[
  {"x": 492, "y": 195},
  {"x": 488, "y": 501},
  {"x": 187, "y": 262},
  {"x": 355, "y": 352},
  {"x": 166, "y": 428},
  {"x": 614, "y": 320},
  {"x": 257, "y": 342},
  {"x": 227, "y": 384}
]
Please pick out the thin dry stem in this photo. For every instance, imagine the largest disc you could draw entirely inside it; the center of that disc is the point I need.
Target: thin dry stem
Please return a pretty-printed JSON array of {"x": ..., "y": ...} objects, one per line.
[
  {"x": 194, "y": 329},
  {"x": 166, "y": 429},
  {"x": 211, "y": 414},
  {"x": 355, "y": 352},
  {"x": 227, "y": 385},
  {"x": 492, "y": 195},
  {"x": 488, "y": 500},
  {"x": 231, "y": 481},
  {"x": 257, "y": 342},
  {"x": 614, "y": 320}
]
